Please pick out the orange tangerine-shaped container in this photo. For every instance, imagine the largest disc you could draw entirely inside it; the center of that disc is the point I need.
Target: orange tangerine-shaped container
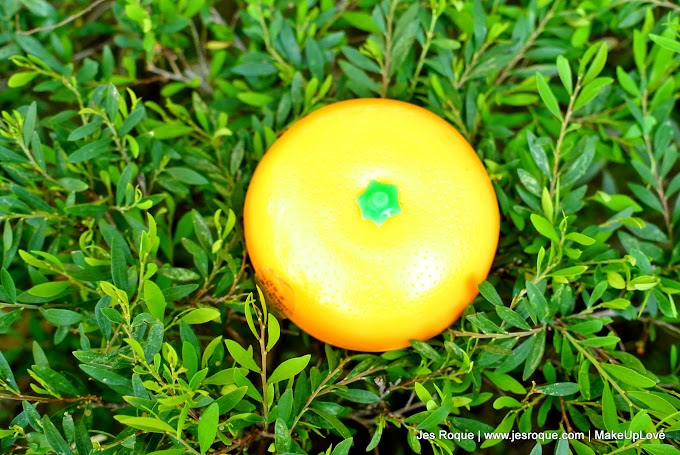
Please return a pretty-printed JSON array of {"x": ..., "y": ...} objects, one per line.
[{"x": 370, "y": 223}]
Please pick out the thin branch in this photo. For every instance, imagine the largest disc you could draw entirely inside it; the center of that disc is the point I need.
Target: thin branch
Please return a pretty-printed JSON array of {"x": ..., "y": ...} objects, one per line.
[
  {"x": 388, "y": 49},
  {"x": 497, "y": 335},
  {"x": 473, "y": 62},
  {"x": 565, "y": 418},
  {"x": 519, "y": 56},
  {"x": 199, "y": 51},
  {"x": 563, "y": 134},
  {"x": 423, "y": 53},
  {"x": 93, "y": 398},
  {"x": 657, "y": 177},
  {"x": 64, "y": 22},
  {"x": 663, "y": 4}
]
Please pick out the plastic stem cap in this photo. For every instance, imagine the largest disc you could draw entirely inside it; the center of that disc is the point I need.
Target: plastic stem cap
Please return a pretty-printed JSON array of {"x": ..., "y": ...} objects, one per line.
[{"x": 379, "y": 202}]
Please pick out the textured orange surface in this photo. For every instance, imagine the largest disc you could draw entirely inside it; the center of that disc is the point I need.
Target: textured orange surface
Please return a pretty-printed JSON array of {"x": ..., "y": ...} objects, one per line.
[{"x": 343, "y": 279}]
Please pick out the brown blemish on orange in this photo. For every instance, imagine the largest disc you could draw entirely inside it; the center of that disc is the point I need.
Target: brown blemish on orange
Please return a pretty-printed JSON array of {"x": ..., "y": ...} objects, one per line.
[{"x": 278, "y": 293}]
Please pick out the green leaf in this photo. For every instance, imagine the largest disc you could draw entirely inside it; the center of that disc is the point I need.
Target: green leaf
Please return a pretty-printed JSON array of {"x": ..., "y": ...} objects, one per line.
[
  {"x": 8, "y": 285},
  {"x": 343, "y": 447},
  {"x": 118, "y": 264},
  {"x": 242, "y": 356},
  {"x": 591, "y": 90},
  {"x": 628, "y": 376},
  {"x": 660, "y": 449},
  {"x": 186, "y": 175},
  {"x": 178, "y": 274},
  {"x": 597, "y": 65},
  {"x": 362, "y": 21},
  {"x": 627, "y": 82},
  {"x": 9, "y": 318},
  {"x": 56, "y": 380},
  {"x": 544, "y": 227},
  {"x": 21, "y": 79},
  {"x": 105, "y": 375},
  {"x": 227, "y": 402},
  {"x": 611, "y": 420},
  {"x": 425, "y": 350},
  {"x": 155, "y": 300},
  {"x": 404, "y": 36},
  {"x": 334, "y": 421},
  {"x": 564, "y": 71},
  {"x": 132, "y": 120},
  {"x": 559, "y": 389},
  {"x": 61, "y": 317},
  {"x": 29, "y": 122},
  {"x": 511, "y": 317},
  {"x": 123, "y": 182},
  {"x": 171, "y": 131},
  {"x": 646, "y": 196},
  {"x": 535, "y": 357},
  {"x": 489, "y": 293},
  {"x": 255, "y": 99},
  {"x": 49, "y": 290},
  {"x": 537, "y": 450},
  {"x": 375, "y": 439},
  {"x": 202, "y": 230},
  {"x": 562, "y": 447},
  {"x": 502, "y": 428},
  {"x": 479, "y": 23},
  {"x": 654, "y": 402},
  {"x": 201, "y": 316},
  {"x": 505, "y": 382},
  {"x": 150, "y": 424},
  {"x": 580, "y": 238},
  {"x": 199, "y": 255},
  {"x": 54, "y": 438},
  {"x": 538, "y": 154},
  {"x": 273, "y": 331},
  {"x": 207, "y": 427},
  {"x": 282, "y": 439},
  {"x": 74, "y": 185},
  {"x": 359, "y": 77},
  {"x": 547, "y": 96},
  {"x": 666, "y": 43},
  {"x": 506, "y": 402},
  {"x": 436, "y": 417},
  {"x": 6, "y": 374},
  {"x": 288, "y": 369},
  {"x": 358, "y": 395},
  {"x": 85, "y": 130},
  {"x": 570, "y": 271},
  {"x": 90, "y": 151}
]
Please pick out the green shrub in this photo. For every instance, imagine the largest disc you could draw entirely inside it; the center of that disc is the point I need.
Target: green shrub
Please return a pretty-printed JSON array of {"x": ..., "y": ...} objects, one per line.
[{"x": 129, "y": 132}]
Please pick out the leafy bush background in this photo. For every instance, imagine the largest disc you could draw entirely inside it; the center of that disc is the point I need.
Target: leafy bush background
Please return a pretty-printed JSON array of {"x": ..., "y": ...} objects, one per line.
[{"x": 130, "y": 129}]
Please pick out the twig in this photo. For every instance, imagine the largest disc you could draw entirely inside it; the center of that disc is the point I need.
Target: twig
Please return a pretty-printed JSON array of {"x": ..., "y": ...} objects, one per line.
[
  {"x": 93, "y": 398},
  {"x": 497, "y": 335},
  {"x": 473, "y": 62},
  {"x": 663, "y": 4},
  {"x": 199, "y": 51},
  {"x": 563, "y": 134},
  {"x": 63, "y": 22},
  {"x": 423, "y": 53},
  {"x": 657, "y": 177},
  {"x": 388, "y": 49},
  {"x": 166, "y": 74},
  {"x": 519, "y": 56},
  {"x": 565, "y": 418}
]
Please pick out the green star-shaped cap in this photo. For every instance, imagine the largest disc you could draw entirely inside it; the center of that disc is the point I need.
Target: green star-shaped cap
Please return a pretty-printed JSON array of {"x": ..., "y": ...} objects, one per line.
[{"x": 379, "y": 202}]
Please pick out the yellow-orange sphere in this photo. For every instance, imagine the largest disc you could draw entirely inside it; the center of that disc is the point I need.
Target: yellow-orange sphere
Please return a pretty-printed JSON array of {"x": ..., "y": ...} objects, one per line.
[{"x": 352, "y": 281}]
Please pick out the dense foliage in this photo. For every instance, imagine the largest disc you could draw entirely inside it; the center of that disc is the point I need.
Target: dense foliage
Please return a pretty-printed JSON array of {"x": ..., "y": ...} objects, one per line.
[{"x": 129, "y": 318}]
